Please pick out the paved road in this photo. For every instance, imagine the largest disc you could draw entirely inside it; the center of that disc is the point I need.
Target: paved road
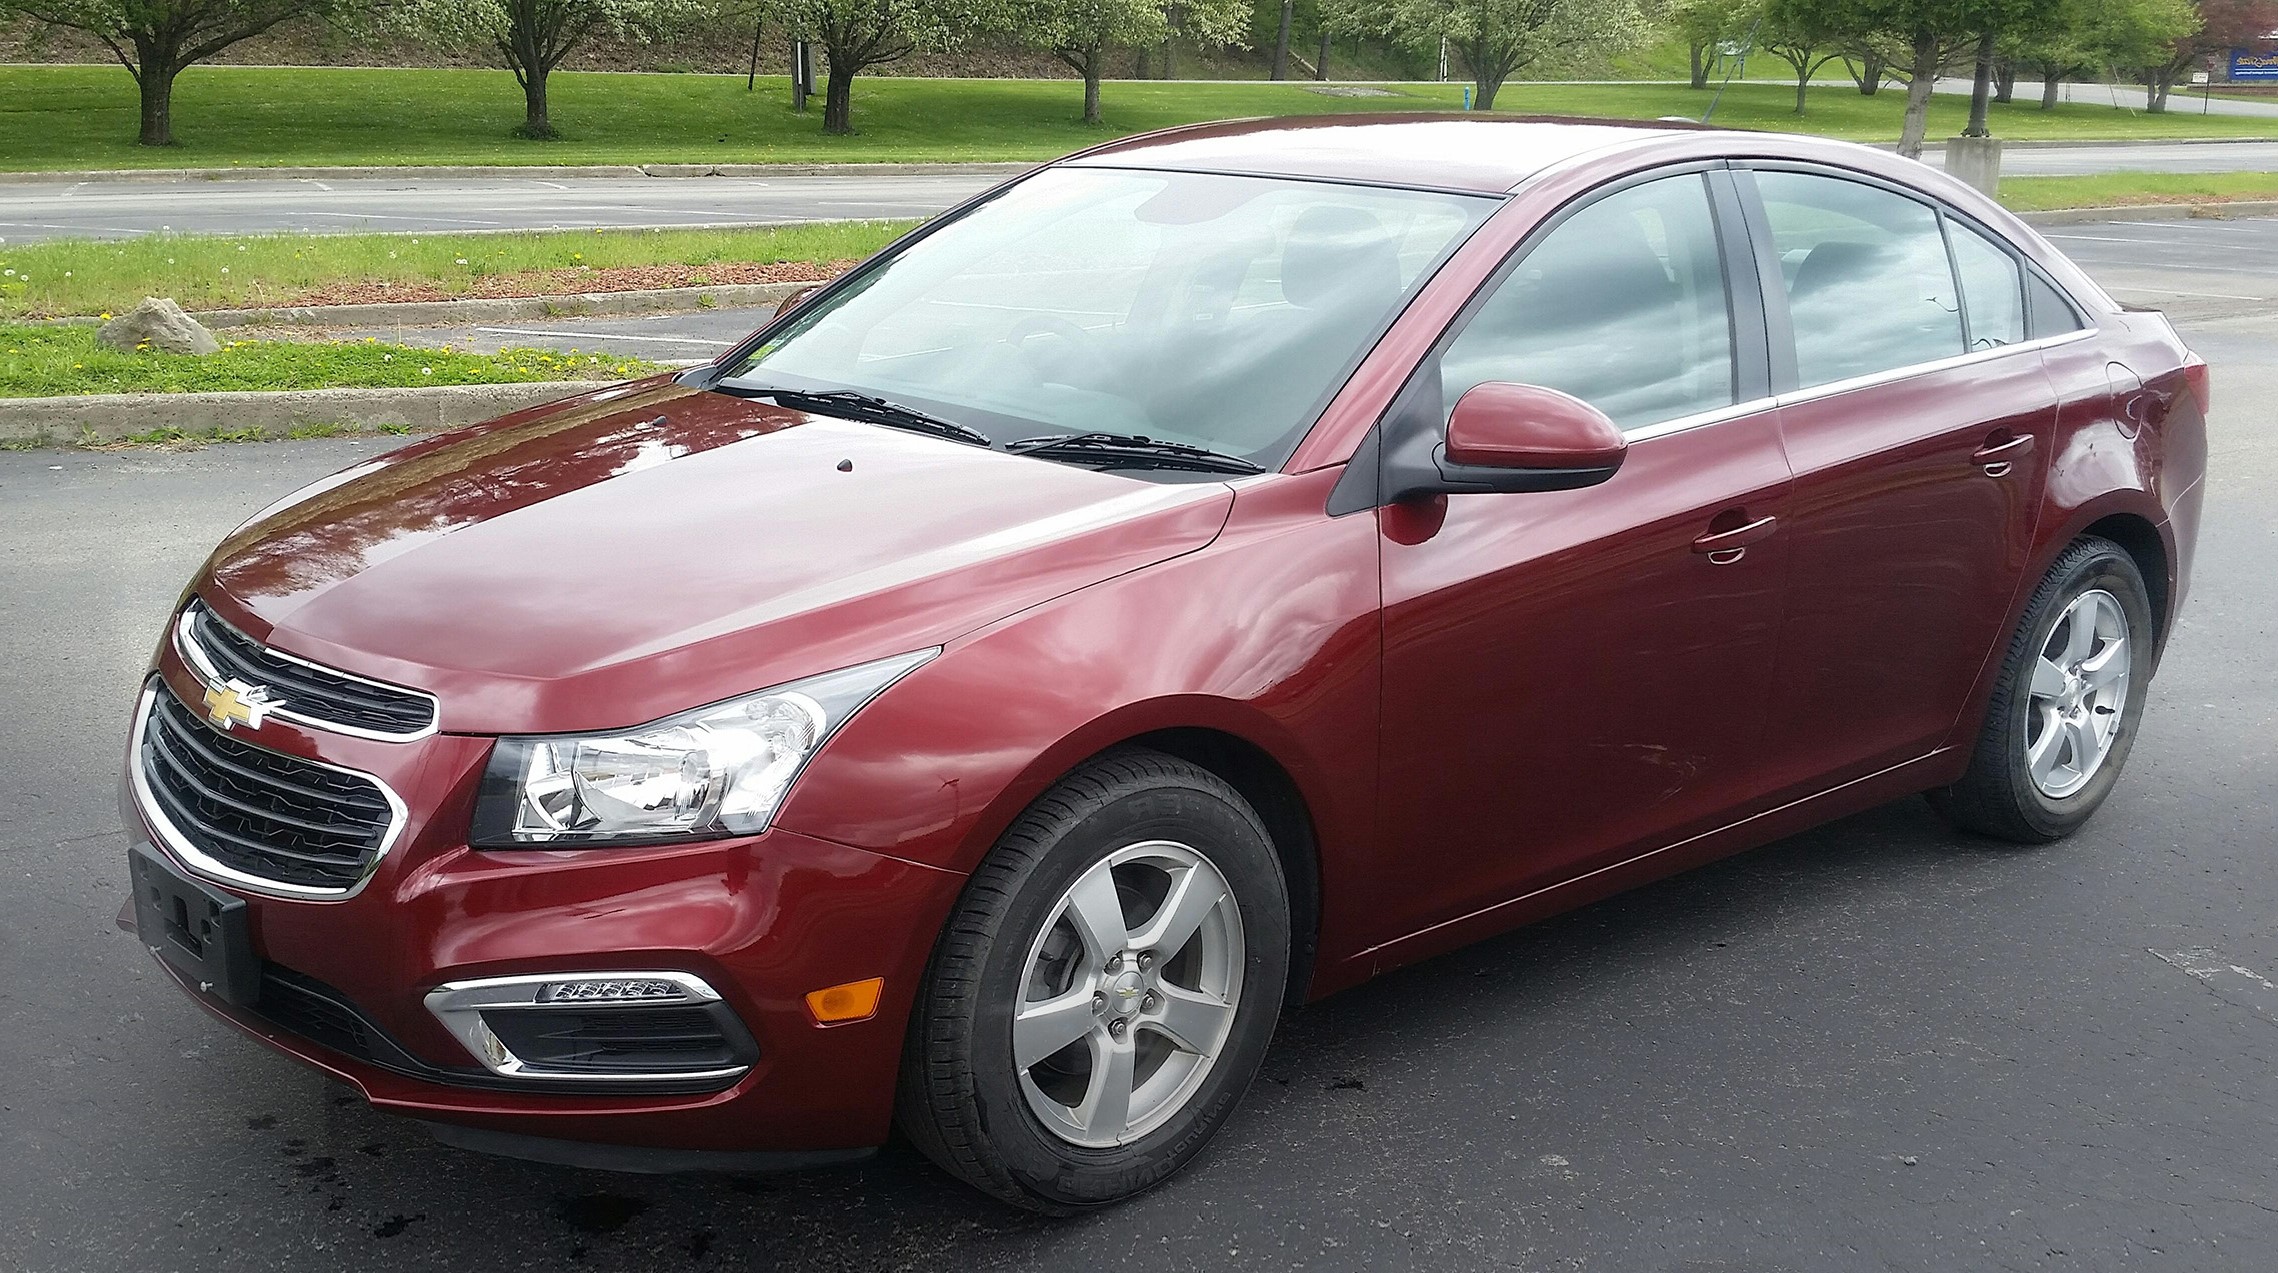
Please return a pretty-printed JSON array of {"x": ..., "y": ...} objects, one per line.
[
  {"x": 1875, "y": 1046},
  {"x": 121, "y": 209},
  {"x": 127, "y": 208}
]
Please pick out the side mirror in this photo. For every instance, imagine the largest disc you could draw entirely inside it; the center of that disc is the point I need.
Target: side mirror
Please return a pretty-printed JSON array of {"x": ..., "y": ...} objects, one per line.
[
  {"x": 791, "y": 302},
  {"x": 1510, "y": 437}
]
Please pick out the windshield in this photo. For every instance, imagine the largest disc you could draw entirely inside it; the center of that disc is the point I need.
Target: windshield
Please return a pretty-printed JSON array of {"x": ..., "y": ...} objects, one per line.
[{"x": 1216, "y": 311}]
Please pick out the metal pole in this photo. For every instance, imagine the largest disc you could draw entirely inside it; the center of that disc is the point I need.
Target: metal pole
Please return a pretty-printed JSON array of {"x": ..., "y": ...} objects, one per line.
[{"x": 758, "y": 25}]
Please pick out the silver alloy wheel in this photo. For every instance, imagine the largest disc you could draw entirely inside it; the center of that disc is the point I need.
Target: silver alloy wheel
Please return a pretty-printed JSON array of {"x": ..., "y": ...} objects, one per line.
[
  {"x": 1128, "y": 994},
  {"x": 2078, "y": 695}
]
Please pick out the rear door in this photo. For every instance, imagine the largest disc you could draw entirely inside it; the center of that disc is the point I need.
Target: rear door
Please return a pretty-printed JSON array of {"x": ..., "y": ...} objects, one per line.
[
  {"x": 1571, "y": 676},
  {"x": 1918, "y": 420}
]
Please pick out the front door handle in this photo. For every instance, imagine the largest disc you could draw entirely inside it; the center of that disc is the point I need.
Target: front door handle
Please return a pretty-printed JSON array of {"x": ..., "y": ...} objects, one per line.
[
  {"x": 2000, "y": 454},
  {"x": 1727, "y": 546}
]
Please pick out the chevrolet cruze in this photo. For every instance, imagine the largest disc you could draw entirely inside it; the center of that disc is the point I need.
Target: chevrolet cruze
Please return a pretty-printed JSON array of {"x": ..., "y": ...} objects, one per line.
[{"x": 1192, "y": 578}]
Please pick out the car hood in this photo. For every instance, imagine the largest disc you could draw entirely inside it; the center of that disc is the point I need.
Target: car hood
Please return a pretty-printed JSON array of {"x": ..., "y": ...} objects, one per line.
[{"x": 631, "y": 553}]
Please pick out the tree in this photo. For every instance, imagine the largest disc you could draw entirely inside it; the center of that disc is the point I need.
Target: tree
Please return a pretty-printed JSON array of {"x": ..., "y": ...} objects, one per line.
[
  {"x": 1705, "y": 25},
  {"x": 1495, "y": 38},
  {"x": 859, "y": 34},
  {"x": 2220, "y": 25},
  {"x": 157, "y": 39},
  {"x": 2085, "y": 36},
  {"x": 1281, "y": 42},
  {"x": 1805, "y": 34},
  {"x": 532, "y": 37},
  {"x": 1935, "y": 32},
  {"x": 1083, "y": 33}
]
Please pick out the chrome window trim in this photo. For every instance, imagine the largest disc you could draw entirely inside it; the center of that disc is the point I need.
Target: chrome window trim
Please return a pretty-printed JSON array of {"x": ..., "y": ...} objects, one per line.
[
  {"x": 201, "y": 666},
  {"x": 1834, "y": 387},
  {"x": 198, "y": 863},
  {"x": 1702, "y": 419},
  {"x": 458, "y": 1006}
]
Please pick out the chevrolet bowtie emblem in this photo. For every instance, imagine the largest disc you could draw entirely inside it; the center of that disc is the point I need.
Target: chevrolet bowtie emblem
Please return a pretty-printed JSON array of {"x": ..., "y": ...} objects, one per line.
[{"x": 238, "y": 703}]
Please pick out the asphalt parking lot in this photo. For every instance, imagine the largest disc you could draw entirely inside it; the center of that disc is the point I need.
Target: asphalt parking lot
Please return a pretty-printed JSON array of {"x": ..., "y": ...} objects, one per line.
[{"x": 1879, "y": 1045}]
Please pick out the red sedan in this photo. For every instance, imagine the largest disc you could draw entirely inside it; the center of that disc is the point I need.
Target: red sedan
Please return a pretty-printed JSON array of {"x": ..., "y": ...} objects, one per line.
[{"x": 1186, "y": 581}]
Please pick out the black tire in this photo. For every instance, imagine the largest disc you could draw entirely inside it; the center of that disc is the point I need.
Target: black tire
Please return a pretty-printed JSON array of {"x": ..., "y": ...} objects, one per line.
[
  {"x": 961, "y": 1101},
  {"x": 1997, "y": 796}
]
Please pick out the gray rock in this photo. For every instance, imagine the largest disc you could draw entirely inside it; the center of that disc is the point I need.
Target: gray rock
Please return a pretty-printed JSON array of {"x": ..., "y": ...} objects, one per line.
[{"x": 160, "y": 324}]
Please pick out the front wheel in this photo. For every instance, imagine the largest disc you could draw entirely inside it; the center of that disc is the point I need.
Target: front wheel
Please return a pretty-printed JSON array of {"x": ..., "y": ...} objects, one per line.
[
  {"x": 1105, "y": 990},
  {"x": 2064, "y": 713}
]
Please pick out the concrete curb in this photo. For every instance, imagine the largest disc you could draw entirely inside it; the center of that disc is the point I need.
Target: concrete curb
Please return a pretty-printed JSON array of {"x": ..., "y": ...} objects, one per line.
[
  {"x": 109, "y": 417},
  {"x": 533, "y": 172},
  {"x": 2209, "y": 211}
]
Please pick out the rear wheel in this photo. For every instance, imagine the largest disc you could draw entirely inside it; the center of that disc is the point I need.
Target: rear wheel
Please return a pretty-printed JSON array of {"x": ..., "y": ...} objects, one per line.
[
  {"x": 1105, "y": 990},
  {"x": 2064, "y": 713}
]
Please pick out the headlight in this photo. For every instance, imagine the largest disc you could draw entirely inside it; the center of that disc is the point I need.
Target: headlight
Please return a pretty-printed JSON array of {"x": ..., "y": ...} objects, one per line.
[{"x": 719, "y": 770}]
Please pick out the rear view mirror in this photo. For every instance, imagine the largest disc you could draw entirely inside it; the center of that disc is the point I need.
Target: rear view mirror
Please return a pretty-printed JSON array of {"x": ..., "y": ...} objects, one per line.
[{"x": 1512, "y": 437}]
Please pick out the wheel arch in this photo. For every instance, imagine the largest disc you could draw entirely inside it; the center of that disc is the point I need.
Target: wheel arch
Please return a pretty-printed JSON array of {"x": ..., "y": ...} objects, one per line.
[{"x": 2140, "y": 539}]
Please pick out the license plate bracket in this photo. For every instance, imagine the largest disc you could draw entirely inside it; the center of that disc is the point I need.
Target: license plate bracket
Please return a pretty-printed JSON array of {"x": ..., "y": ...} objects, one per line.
[{"x": 202, "y": 933}]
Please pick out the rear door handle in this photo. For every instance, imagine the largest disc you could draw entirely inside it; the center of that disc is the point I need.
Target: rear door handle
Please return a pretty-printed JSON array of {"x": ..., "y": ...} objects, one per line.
[
  {"x": 1998, "y": 457},
  {"x": 1724, "y": 546}
]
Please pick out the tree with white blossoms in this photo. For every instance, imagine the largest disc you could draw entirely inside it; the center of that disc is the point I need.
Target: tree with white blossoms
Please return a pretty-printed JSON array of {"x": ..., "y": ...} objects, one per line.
[
  {"x": 1496, "y": 38},
  {"x": 856, "y": 35},
  {"x": 532, "y": 37},
  {"x": 157, "y": 39},
  {"x": 1083, "y": 33}
]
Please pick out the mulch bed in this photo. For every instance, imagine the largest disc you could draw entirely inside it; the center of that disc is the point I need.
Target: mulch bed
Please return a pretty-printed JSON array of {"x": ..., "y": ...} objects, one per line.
[{"x": 611, "y": 278}]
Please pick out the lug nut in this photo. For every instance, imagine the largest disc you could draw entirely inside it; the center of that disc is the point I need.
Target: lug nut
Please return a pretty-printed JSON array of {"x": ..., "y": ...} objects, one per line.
[
  {"x": 1146, "y": 959},
  {"x": 1115, "y": 963},
  {"x": 1118, "y": 1027},
  {"x": 1099, "y": 1001},
  {"x": 1150, "y": 1002}
]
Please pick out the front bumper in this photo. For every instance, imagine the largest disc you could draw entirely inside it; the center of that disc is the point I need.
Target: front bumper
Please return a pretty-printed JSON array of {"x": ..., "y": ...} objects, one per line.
[{"x": 762, "y": 920}]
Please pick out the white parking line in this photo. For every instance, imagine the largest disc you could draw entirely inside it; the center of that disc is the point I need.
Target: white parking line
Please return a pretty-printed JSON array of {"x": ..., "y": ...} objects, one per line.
[
  {"x": 2200, "y": 246},
  {"x": 2177, "y": 291},
  {"x": 381, "y": 216},
  {"x": 654, "y": 340},
  {"x": 2191, "y": 225}
]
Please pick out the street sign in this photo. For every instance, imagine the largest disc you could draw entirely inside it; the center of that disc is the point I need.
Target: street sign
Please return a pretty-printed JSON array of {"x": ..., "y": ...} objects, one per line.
[{"x": 2249, "y": 67}]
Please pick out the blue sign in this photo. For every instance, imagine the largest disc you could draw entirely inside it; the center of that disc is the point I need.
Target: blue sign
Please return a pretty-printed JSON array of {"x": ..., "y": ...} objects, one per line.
[{"x": 2251, "y": 67}]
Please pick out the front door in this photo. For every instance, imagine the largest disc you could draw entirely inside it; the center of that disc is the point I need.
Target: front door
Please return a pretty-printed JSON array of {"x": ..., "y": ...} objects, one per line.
[{"x": 1573, "y": 678}]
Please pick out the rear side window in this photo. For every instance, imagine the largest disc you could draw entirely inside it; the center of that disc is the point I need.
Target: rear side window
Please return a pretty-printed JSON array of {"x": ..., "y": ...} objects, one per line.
[
  {"x": 1993, "y": 289},
  {"x": 1623, "y": 305},
  {"x": 2051, "y": 313},
  {"x": 1868, "y": 283}
]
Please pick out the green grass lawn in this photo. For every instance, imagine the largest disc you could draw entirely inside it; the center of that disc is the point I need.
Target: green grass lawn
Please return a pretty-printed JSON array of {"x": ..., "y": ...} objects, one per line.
[
  {"x": 78, "y": 117},
  {"x": 2119, "y": 189},
  {"x": 38, "y": 362},
  {"x": 80, "y": 277}
]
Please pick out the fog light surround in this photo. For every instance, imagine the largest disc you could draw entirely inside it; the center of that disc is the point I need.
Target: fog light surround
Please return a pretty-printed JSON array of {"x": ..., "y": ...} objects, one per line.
[{"x": 593, "y": 1024}]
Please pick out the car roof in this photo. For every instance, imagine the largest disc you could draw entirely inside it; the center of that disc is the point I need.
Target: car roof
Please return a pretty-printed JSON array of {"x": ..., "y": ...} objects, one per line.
[{"x": 1486, "y": 154}]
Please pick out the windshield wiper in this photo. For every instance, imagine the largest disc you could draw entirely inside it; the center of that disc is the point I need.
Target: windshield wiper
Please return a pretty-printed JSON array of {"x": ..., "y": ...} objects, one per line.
[
  {"x": 1132, "y": 450},
  {"x": 871, "y": 410}
]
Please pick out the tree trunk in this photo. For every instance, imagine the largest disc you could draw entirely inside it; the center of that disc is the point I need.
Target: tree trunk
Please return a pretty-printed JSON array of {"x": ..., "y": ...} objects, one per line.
[
  {"x": 1980, "y": 88},
  {"x": 1484, "y": 89},
  {"x": 1143, "y": 70},
  {"x": 2157, "y": 84},
  {"x": 1868, "y": 75},
  {"x": 1170, "y": 62},
  {"x": 1699, "y": 52},
  {"x": 1281, "y": 42},
  {"x": 1321, "y": 63},
  {"x": 535, "y": 124},
  {"x": 1091, "y": 87},
  {"x": 2005, "y": 81},
  {"x": 1803, "y": 82},
  {"x": 1918, "y": 90},
  {"x": 838, "y": 101},
  {"x": 2051, "y": 84},
  {"x": 156, "y": 80}
]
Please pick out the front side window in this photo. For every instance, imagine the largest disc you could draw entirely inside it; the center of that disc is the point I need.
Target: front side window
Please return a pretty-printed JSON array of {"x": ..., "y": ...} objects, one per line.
[
  {"x": 1993, "y": 289},
  {"x": 1869, "y": 286},
  {"x": 1217, "y": 311},
  {"x": 1623, "y": 305}
]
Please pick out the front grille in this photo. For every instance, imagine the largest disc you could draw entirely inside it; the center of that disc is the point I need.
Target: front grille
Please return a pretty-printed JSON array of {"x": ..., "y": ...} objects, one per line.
[
  {"x": 260, "y": 813},
  {"x": 304, "y": 692}
]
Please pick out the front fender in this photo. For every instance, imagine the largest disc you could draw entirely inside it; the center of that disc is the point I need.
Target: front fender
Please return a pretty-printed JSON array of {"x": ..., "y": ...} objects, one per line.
[{"x": 1270, "y": 635}]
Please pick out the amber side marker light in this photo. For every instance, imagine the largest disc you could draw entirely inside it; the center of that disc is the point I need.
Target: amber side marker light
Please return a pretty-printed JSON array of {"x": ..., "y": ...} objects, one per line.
[{"x": 853, "y": 1001}]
